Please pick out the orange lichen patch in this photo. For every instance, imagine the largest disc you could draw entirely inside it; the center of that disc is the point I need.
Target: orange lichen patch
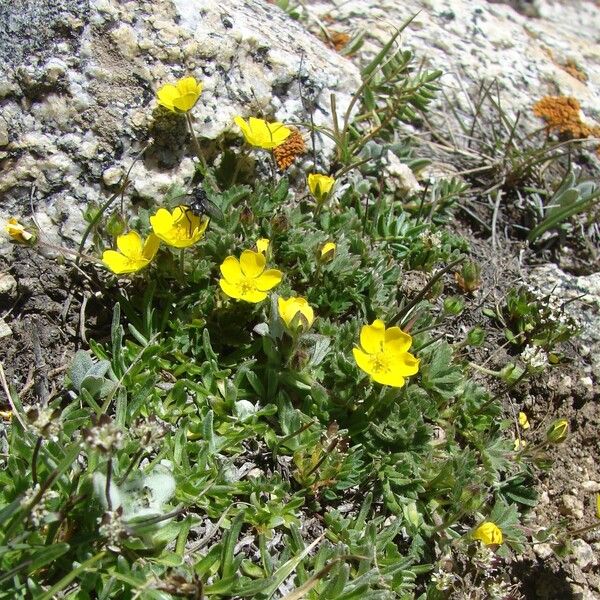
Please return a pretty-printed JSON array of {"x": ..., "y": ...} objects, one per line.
[
  {"x": 338, "y": 39},
  {"x": 561, "y": 114},
  {"x": 289, "y": 150},
  {"x": 573, "y": 69}
]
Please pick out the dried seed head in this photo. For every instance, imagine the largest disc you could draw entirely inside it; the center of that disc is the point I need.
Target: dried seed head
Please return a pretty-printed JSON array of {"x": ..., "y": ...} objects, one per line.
[
  {"x": 113, "y": 528},
  {"x": 39, "y": 511},
  {"x": 289, "y": 150},
  {"x": 104, "y": 435},
  {"x": 149, "y": 432},
  {"x": 44, "y": 421}
]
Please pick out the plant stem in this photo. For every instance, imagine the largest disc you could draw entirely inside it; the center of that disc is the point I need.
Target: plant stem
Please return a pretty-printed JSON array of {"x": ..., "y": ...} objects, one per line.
[
  {"x": 484, "y": 370},
  {"x": 585, "y": 529},
  {"x": 132, "y": 464},
  {"x": 107, "y": 488},
  {"x": 204, "y": 170},
  {"x": 182, "y": 263},
  {"x": 34, "y": 458}
]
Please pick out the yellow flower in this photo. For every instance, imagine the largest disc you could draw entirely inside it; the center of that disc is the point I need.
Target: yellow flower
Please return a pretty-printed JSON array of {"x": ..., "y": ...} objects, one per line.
[
  {"x": 328, "y": 251},
  {"x": 295, "y": 312},
  {"x": 17, "y": 232},
  {"x": 383, "y": 354},
  {"x": 133, "y": 255},
  {"x": 181, "y": 228},
  {"x": 262, "y": 134},
  {"x": 180, "y": 97},
  {"x": 246, "y": 278},
  {"x": 558, "y": 431},
  {"x": 489, "y": 533},
  {"x": 262, "y": 245},
  {"x": 519, "y": 445},
  {"x": 320, "y": 186},
  {"x": 523, "y": 420}
]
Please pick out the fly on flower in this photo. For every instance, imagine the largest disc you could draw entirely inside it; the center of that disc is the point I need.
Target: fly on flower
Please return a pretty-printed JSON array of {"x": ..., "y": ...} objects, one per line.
[{"x": 197, "y": 204}]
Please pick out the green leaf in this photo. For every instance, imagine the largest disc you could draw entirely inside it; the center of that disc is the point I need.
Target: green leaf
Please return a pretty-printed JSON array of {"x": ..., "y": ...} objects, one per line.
[{"x": 230, "y": 539}]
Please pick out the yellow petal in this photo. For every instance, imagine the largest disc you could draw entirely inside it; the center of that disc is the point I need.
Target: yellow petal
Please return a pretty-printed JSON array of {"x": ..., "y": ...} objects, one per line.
[
  {"x": 233, "y": 290},
  {"x": 203, "y": 225},
  {"x": 405, "y": 364},
  {"x": 253, "y": 296},
  {"x": 189, "y": 86},
  {"x": 186, "y": 102},
  {"x": 243, "y": 126},
  {"x": 397, "y": 341},
  {"x": 278, "y": 133},
  {"x": 182, "y": 212},
  {"x": 150, "y": 247},
  {"x": 363, "y": 360},
  {"x": 161, "y": 221},
  {"x": 166, "y": 95},
  {"x": 260, "y": 133},
  {"x": 252, "y": 263},
  {"x": 372, "y": 337},
  {"x": 268, "y": 280},
  {"x": 391, "y": 378},
  {"x": 130, "y": 244},
  {"x": 120, "y": 264},
  {"x": 283, "y": 307},
  {"x": 262, "y": 245},
  {"x": 230, "y": 269}
]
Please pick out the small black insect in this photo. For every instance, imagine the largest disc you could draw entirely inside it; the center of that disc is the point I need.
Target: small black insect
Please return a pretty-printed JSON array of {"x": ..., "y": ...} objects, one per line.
[
  {"x": 201, "y": 205},
  {"x": 198, "y": 204}
]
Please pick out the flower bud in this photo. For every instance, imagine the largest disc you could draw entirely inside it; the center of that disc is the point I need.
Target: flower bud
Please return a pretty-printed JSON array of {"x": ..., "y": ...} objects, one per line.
[
  {"x": 558, "y": 431},
  {"x": 320, "y": 186},
  {"x": 489, "y": 533},
  {"x": 327, "y": 252},
  {"x": 18, "y": 233},
  {"x": 454, "y": 305},
  {"x": 476, "y": 337},
  {"x": 469, "y": 277},
  {"x": 511, "y": 373},
  {"x": 523, "y": 420},
  {"x": 115, "y": 225}
]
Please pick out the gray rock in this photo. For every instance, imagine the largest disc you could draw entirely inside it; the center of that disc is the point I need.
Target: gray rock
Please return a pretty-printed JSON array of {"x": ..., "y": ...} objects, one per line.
[
  {"x": 583, "y": 554},
  {"x": 571, "y": 506},
  {"x": 79, "y": 82},
  {"x": 544, "y": 551},
  {"x": 586, "y": 309},
  {"x": 474, "y": 41},
  {"x": 8, "y": 286},
  {"x": 582, "y": 593},
  {"x": 5, "y": 330},
  {"x": 590, "y": 486}
]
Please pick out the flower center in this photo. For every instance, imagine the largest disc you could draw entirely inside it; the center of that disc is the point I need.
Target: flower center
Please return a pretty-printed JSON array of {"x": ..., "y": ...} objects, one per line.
[
  {"x": 247, "y": 285},
  {"x": 381, "y": 363}
]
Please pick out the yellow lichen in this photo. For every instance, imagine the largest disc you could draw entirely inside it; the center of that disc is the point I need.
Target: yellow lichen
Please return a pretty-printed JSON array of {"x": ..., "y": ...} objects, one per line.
[{"x": 562, "y": 115}]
